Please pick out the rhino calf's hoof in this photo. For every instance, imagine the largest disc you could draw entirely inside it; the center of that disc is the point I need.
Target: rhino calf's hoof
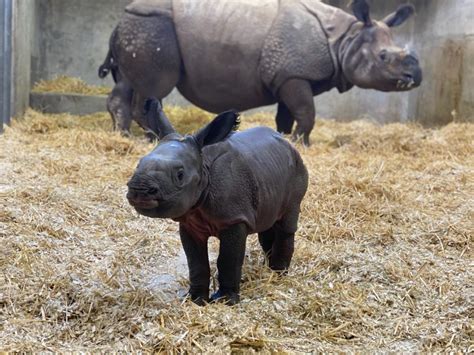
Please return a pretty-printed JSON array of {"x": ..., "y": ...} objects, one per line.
[
  {"x": 200, "y": 301},
  {"x": 228, "y": 297},
  {"x": 198, "y": 298}
]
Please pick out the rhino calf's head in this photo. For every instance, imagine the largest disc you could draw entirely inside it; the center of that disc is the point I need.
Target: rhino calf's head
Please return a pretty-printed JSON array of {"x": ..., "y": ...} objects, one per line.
[
  {"x": 169, "y": 181},
  {"x": 370, "y": 58}
]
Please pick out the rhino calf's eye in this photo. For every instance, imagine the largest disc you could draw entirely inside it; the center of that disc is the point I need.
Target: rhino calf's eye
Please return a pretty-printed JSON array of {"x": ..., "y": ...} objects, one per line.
[
  {"x": 383, "y": 55},
  {"x": 180, "y": 175}
]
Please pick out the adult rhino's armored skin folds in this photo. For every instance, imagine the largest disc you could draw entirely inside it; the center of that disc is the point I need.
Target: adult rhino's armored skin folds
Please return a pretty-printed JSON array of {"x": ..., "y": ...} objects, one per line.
[
  {"x": 246, "y": 54},
  {"x": 222, "y": 183}
]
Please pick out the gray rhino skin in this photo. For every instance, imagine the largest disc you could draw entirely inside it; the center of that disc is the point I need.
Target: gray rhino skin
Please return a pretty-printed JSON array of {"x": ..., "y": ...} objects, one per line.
[
  {"x": 245, "y": 54},
  {"x": 224, "y": 184}
]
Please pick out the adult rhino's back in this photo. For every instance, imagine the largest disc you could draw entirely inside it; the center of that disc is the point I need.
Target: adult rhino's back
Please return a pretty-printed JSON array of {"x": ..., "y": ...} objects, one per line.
[{"x": 221, "y": 44}]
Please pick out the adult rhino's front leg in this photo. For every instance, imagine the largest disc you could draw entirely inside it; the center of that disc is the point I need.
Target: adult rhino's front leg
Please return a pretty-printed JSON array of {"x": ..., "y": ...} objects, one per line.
[
  {"x": 297, "y": 96},
  {"x": 143, "y": 120},
  {"x": 229, "y": 263},
  {"x": 284, "y": 119}
]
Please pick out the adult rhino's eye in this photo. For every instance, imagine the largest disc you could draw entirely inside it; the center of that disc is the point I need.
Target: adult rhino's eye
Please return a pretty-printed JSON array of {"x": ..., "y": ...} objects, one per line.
[{"x": 383, "y": 55}]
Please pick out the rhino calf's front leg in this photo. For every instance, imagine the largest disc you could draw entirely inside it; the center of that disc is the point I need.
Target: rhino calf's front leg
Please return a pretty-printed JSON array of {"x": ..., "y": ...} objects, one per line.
[
  {"x": 229, "y": 263},
  {"x": 198, "y": 264}
]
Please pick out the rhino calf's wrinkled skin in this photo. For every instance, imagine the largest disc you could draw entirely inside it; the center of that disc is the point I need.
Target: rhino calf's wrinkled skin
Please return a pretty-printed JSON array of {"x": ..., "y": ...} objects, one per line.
[{"x": 224, "y": 184}]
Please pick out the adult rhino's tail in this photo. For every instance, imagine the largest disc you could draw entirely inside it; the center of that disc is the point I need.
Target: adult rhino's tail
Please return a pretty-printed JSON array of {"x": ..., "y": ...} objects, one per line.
[{"x": 110, "y": 64}]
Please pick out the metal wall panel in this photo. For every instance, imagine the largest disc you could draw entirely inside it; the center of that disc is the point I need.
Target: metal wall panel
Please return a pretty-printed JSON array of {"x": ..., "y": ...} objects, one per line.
[{"x": 5, "y": 61}]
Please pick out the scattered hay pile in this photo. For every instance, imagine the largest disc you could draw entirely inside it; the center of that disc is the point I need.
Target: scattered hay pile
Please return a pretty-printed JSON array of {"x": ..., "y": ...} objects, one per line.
[
  {"x": 69, "y": 85},
  {"x": 187, "y": 120},
  {"x": 384, "y": 254}
]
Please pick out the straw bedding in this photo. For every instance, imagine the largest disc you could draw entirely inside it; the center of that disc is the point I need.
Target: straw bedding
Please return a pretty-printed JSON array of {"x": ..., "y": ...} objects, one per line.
[
  {"x": 69, "y": 85},
  {"x": 383, "y": 260}
]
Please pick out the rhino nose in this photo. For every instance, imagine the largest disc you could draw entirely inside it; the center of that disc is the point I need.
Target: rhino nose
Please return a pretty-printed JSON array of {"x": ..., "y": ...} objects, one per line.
[
  {"x": 410, "y": 60},
  {"x": 145, "y": 199},
  {"x": 418, "y": 76},
  {"x": 412, "y": 71},
  {"x": 134, "y": 192}
]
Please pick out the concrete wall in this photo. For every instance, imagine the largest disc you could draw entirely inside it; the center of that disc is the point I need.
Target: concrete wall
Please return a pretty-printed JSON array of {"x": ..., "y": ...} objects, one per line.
[
  {"x": 24, "y": 23},
  {"x": 445, "y": 38},
  {"x": 72, "y": 39}
]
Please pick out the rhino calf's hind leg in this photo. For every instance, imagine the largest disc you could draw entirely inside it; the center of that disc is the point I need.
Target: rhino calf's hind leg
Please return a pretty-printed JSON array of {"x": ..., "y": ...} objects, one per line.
[
  {"x": 266, "y": 240},
  {"x": 297, "y": 95},
  {"x": 282, "y": 251},
  {"x": 278, "y": 247}
]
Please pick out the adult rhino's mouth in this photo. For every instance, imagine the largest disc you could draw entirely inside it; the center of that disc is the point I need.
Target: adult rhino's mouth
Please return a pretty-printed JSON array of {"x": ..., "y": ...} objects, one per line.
[
  {"x": 412, "y": 75},
  {"x": 405, "y": 83},
  {"x": 409, "y": 81}
]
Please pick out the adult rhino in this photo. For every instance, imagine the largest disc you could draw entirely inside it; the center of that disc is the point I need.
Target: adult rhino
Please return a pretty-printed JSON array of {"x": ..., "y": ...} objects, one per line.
[{"x": 244, "y": 54}]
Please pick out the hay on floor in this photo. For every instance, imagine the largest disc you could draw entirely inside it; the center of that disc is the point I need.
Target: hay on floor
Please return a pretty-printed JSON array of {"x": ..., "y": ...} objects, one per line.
[
  {"x": 383, "y": 261},
  {"x": 69, "y": 85}
]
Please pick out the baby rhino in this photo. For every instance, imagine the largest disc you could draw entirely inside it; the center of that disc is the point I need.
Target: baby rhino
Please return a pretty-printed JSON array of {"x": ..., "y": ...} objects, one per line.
[{"x": 224, "y": 184}]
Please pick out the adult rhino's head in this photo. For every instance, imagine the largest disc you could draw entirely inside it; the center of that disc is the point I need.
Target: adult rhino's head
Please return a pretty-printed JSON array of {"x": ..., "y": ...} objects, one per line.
[
  {"x": 169, "y": 181},
  {"x": 370, "y": 58}
]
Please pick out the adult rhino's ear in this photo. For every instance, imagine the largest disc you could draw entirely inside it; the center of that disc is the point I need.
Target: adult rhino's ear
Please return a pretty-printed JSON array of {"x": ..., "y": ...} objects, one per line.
[
  {"x": 402, "y": 14},
  {"x": 361, "y": 11},
  {"x": 218, "y": 129},
  {"x": 156, "y": 119}
]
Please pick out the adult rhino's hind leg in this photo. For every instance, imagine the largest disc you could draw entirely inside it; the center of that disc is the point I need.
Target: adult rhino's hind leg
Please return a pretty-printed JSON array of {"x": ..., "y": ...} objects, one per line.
[
  {"x": 119, "y": 104},
  {"x": 297, "y": 95},
  {"x": 147, "y": 53}
]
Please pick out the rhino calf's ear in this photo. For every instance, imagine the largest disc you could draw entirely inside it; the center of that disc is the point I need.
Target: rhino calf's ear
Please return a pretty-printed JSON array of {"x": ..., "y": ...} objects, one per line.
[
  {"x": 361, "y": 11},
  {"x": 218, "y": 129},
  {"x": 400, "y": 16}
]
